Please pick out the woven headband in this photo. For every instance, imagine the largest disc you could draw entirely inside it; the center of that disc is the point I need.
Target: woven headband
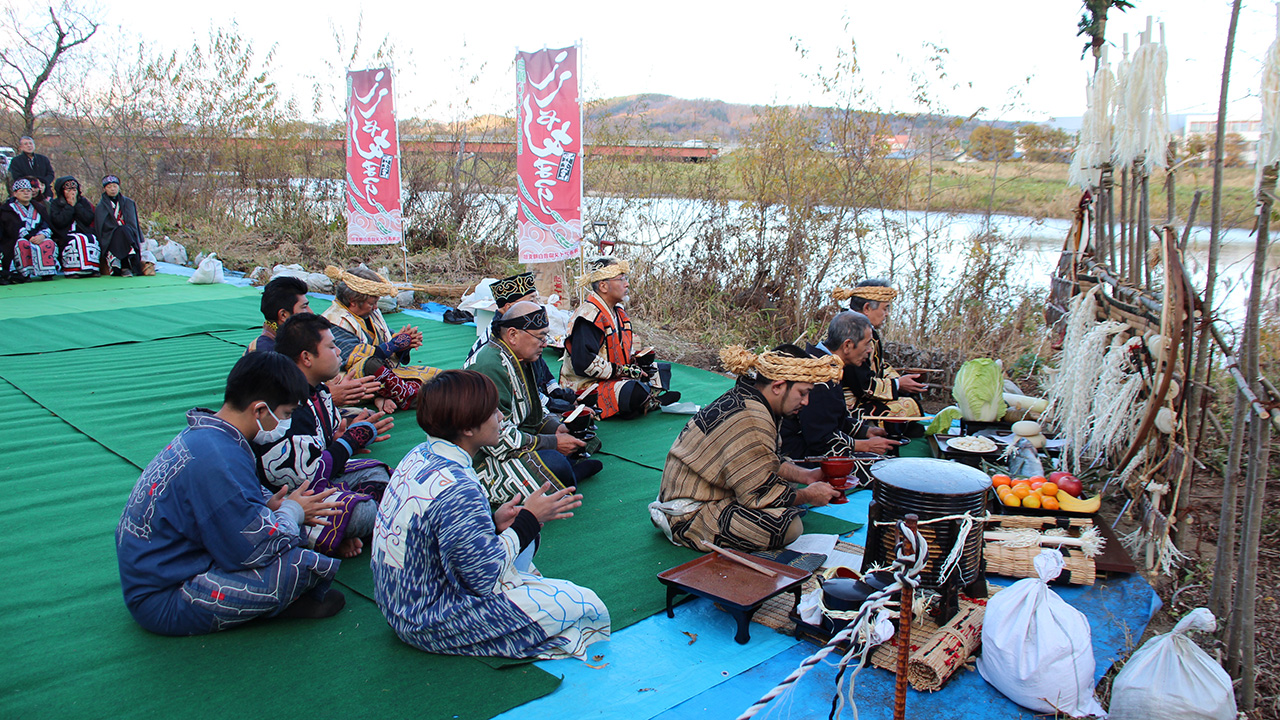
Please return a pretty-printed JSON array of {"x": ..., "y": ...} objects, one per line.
[
  {"x": 777, "y": 366},
  {"x": 535, "y": 320},
  {"x": 874, "y": 293},
  {"x": 110, "y": 179},
  {"x": 23, "y": 184},
  {"x": 376, "y": 288},
  {"x": 508, "y": 290},
  {"x": 604, "y": 272}
]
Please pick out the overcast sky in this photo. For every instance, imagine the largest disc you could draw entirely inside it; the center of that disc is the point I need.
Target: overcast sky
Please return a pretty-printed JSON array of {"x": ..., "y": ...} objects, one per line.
[{"x": 732, "y": 51}]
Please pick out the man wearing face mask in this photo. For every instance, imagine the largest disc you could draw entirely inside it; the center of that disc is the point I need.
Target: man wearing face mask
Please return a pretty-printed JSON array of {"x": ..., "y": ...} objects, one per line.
[
  {"x": 319, "y": 446},
  {"x": 723, "y": 481},
  {"x": 202, "y": 546}
]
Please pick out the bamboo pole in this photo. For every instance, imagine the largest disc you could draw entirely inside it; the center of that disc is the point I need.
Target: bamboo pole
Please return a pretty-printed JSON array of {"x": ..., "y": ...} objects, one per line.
[{"x": 1215, "y": 224}]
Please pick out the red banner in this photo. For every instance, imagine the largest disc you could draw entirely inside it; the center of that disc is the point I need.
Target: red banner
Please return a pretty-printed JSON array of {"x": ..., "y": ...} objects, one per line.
[
  {"x": 548, "y": 155},
  {"x": 373, "y": 160}
]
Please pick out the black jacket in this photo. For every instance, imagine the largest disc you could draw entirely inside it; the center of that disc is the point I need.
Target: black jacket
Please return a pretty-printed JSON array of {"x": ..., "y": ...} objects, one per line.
[
  {"x": 37, "y": 166},
  {"x": 65, "y": 219},
  {"x": 814, "y": 430},
  {"x": 104, "y": 220}
]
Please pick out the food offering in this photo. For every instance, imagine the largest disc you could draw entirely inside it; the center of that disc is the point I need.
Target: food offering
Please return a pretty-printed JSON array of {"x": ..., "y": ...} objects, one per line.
[
  {"x": 977, "y": 444},
  {"x": 1059, "y": 493}
]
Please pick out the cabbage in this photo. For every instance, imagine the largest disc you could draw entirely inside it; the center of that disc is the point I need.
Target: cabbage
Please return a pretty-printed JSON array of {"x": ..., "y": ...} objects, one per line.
[
  {"x": 979, "y": 390},
  {"x": 942, "y": 421}
]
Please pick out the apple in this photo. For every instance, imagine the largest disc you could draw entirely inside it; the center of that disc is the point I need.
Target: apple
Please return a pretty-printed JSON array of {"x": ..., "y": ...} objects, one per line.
[
  {"x": 1056, "y": 474},
  {"x": 1070, "y": 485}
]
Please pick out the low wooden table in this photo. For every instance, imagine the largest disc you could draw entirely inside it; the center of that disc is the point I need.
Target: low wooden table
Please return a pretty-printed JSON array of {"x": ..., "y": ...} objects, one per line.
[{"x": 738, "y": 589}]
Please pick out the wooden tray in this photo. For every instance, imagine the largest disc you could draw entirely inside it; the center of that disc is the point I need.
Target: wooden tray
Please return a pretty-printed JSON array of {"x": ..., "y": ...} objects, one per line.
[{"x": 738, "y": 589}]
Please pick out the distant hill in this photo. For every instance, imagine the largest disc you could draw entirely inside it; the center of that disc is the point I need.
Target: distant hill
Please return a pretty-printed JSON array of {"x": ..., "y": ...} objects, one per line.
[{"x": 672, "y": 119}]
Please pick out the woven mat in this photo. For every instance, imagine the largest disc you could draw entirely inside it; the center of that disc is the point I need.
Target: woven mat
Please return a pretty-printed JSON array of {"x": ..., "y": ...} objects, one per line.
[
  {"x": 776, "y": 612},
  {"x": 936, "y": 653}
]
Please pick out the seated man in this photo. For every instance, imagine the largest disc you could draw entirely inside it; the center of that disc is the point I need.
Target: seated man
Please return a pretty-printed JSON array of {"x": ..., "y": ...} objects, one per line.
[
  {"x": 724, "y": 482},
  {"x": 875, "y": 386},
  {"x": 825, "y": 426},
  {"x": 368, "y": 347},
  {"x": 285, "y": 297},
  {"x": 319, "y": 445},
  {"x": 507, "y": 292},
  {"x": 201, "y": 545},
  {"x": 282, "y": 298},
  {"x": 533, "y": 445},
  {"x": 598, "y": 349},
  {"x": 452, "y": 575}
]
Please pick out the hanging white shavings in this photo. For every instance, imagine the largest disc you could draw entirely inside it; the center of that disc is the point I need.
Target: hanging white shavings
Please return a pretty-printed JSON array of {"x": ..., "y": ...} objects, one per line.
[
  {"x": 1093, "y": 147},
  {"x": 1269, "y": 142},
  {"x": 1142, "y": 117}
]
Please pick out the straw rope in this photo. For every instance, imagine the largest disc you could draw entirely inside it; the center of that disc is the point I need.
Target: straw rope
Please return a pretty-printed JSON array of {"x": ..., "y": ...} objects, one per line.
[
  {"x": 622, "y": 267},
  {"x": 377, "y": 288},
  {"x": 776, "y": 366},
  {"x": 874, "y": 293}
]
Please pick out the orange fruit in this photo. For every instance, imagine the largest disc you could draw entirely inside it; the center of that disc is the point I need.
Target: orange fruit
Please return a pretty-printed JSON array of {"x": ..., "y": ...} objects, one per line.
[
  {"x": 1049, "y": 489},
  {"x": 1036, "y": 479},
  {"x": 1011, "y": 500},
  {"x": 1001, "y": 480},
  {"x": 1050, "y": 503},
  {"x": 1022, "y": 490},
  {"x": 1031, "y": 501},
  {"x": 1003, "y": 490}
]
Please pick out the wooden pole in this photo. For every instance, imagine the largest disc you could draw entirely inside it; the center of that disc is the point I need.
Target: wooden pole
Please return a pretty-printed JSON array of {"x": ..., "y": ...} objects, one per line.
[
  {"x": 1144, "y": 230},
  {"x": 1111, "y": 218},
  {"x": 1244, "y": 614},
  {"x": 904, "y": 628},
  {"x": 1215, "y": 226},
  {"x": 1135, "y": 273},
  {"x": 1169, "y": 156},
  {"x": 1123, "y": 269},
  {"x": 1220, "y": 592}
]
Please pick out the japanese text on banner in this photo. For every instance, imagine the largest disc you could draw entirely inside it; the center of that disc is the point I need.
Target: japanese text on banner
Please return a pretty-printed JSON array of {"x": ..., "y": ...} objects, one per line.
[
  {"x": 373, "y": 206},
  {"x": 548, "y": 155}
]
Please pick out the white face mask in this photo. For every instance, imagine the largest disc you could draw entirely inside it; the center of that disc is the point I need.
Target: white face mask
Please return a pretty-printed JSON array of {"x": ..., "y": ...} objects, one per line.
[{"x": 267, "y": 437}]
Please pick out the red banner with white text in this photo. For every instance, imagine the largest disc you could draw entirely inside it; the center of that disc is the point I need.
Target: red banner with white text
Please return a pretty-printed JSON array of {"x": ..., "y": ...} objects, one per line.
[
  {"x": 548, "y": 155},
  {"x": 373, "y": 160}
]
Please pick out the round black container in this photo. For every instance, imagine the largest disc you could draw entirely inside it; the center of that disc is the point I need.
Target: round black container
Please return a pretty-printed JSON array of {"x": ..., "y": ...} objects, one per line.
[{"x": 932, "y": 489}]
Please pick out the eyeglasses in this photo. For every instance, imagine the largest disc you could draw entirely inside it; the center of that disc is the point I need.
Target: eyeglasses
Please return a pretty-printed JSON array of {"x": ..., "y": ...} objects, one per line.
[{"x": 542, "y": 339}]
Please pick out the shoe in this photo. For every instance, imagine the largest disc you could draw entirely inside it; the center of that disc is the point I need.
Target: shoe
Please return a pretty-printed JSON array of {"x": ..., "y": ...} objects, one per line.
[
  {"x": 668, "y": 397},
  {"x": 309, "y": 608},
  {"x": 126, "y": 273},
  {"x": 584, "y": 469}
]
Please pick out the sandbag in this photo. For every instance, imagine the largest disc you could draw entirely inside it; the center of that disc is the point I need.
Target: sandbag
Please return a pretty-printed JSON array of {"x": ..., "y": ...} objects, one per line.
[
  {"x": 1171, "y": 677},
  {"x": 209, "y": 272},
  {"x": 1037, "y": 649}
]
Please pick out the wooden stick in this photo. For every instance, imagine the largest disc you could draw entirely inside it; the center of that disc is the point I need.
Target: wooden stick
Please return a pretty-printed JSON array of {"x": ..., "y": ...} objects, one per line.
[
  {"x": 738, "y": 559},
  {"x": 905, "y": 617},
  {"x": 918, "y": 370},
  {"x": 891, "y": 418}
]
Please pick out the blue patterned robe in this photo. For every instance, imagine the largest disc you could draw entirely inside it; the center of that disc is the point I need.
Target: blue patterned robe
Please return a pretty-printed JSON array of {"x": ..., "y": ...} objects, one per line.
[
  {"x": 446, "y": 581},
  {"x": 198, "y": 548}
]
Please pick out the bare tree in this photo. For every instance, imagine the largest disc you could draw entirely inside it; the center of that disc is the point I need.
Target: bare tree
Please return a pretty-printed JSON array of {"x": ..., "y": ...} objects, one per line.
[{"x": 29, "y": 52}]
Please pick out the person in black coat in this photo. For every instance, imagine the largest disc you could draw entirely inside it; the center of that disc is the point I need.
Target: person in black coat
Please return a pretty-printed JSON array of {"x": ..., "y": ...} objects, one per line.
[
  {"x": 28, "y": 163},
  {"x": 71, "y": 220},
  {"x": 116, "y": 224},
  {"x": 26, "y": 250}
]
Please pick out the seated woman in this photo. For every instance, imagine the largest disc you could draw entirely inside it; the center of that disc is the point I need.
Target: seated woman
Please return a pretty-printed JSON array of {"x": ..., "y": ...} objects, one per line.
[
  {"x": 115, "y": 222},
  {"x": 368, "y": 348},
  {"x": 26, "y": 246},
  {"x": 71, "y": 220},
  {"x": 450, "y": 575}
]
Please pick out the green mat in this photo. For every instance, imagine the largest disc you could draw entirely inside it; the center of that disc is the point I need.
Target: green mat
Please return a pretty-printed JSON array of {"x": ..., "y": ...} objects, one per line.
[
  {"x": 112, "y": 387},
  {"x": 75, "y": 652}
]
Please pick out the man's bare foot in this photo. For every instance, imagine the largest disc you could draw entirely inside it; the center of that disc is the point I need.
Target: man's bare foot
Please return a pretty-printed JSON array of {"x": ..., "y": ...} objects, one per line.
[{"x": 349, "y": 548}]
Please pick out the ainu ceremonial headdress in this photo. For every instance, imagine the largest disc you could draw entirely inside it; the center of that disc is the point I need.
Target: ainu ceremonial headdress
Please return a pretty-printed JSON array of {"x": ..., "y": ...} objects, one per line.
[
  {"x": 510, "y": 289},
  {"x": 780, "y": 366},
  {"x": 22, "y": 184},
  {"x": 603, "y": 269},
  {"x": 109, "y": 179},
  {"x": 874, "y": 293},
  {"x": 377, "y": 288},
  {"x": 534, "y": 320}
]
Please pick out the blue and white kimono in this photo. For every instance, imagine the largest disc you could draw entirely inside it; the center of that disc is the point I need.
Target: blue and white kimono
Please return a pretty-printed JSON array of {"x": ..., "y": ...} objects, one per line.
[
  {"x": 447, "y": 582},
  {"x": 198, "y": 548}
]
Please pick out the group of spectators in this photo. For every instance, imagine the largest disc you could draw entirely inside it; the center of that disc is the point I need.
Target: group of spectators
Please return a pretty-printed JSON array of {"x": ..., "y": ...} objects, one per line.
[{"x": 48, "y": 227}]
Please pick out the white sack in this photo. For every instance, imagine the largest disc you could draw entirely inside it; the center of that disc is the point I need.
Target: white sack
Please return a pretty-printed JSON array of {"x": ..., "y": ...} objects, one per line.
[
  {"x": 1037, "y": 649},
  {"x": 1170, "y": 678},
  {"x": 209, "y": 272}
]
